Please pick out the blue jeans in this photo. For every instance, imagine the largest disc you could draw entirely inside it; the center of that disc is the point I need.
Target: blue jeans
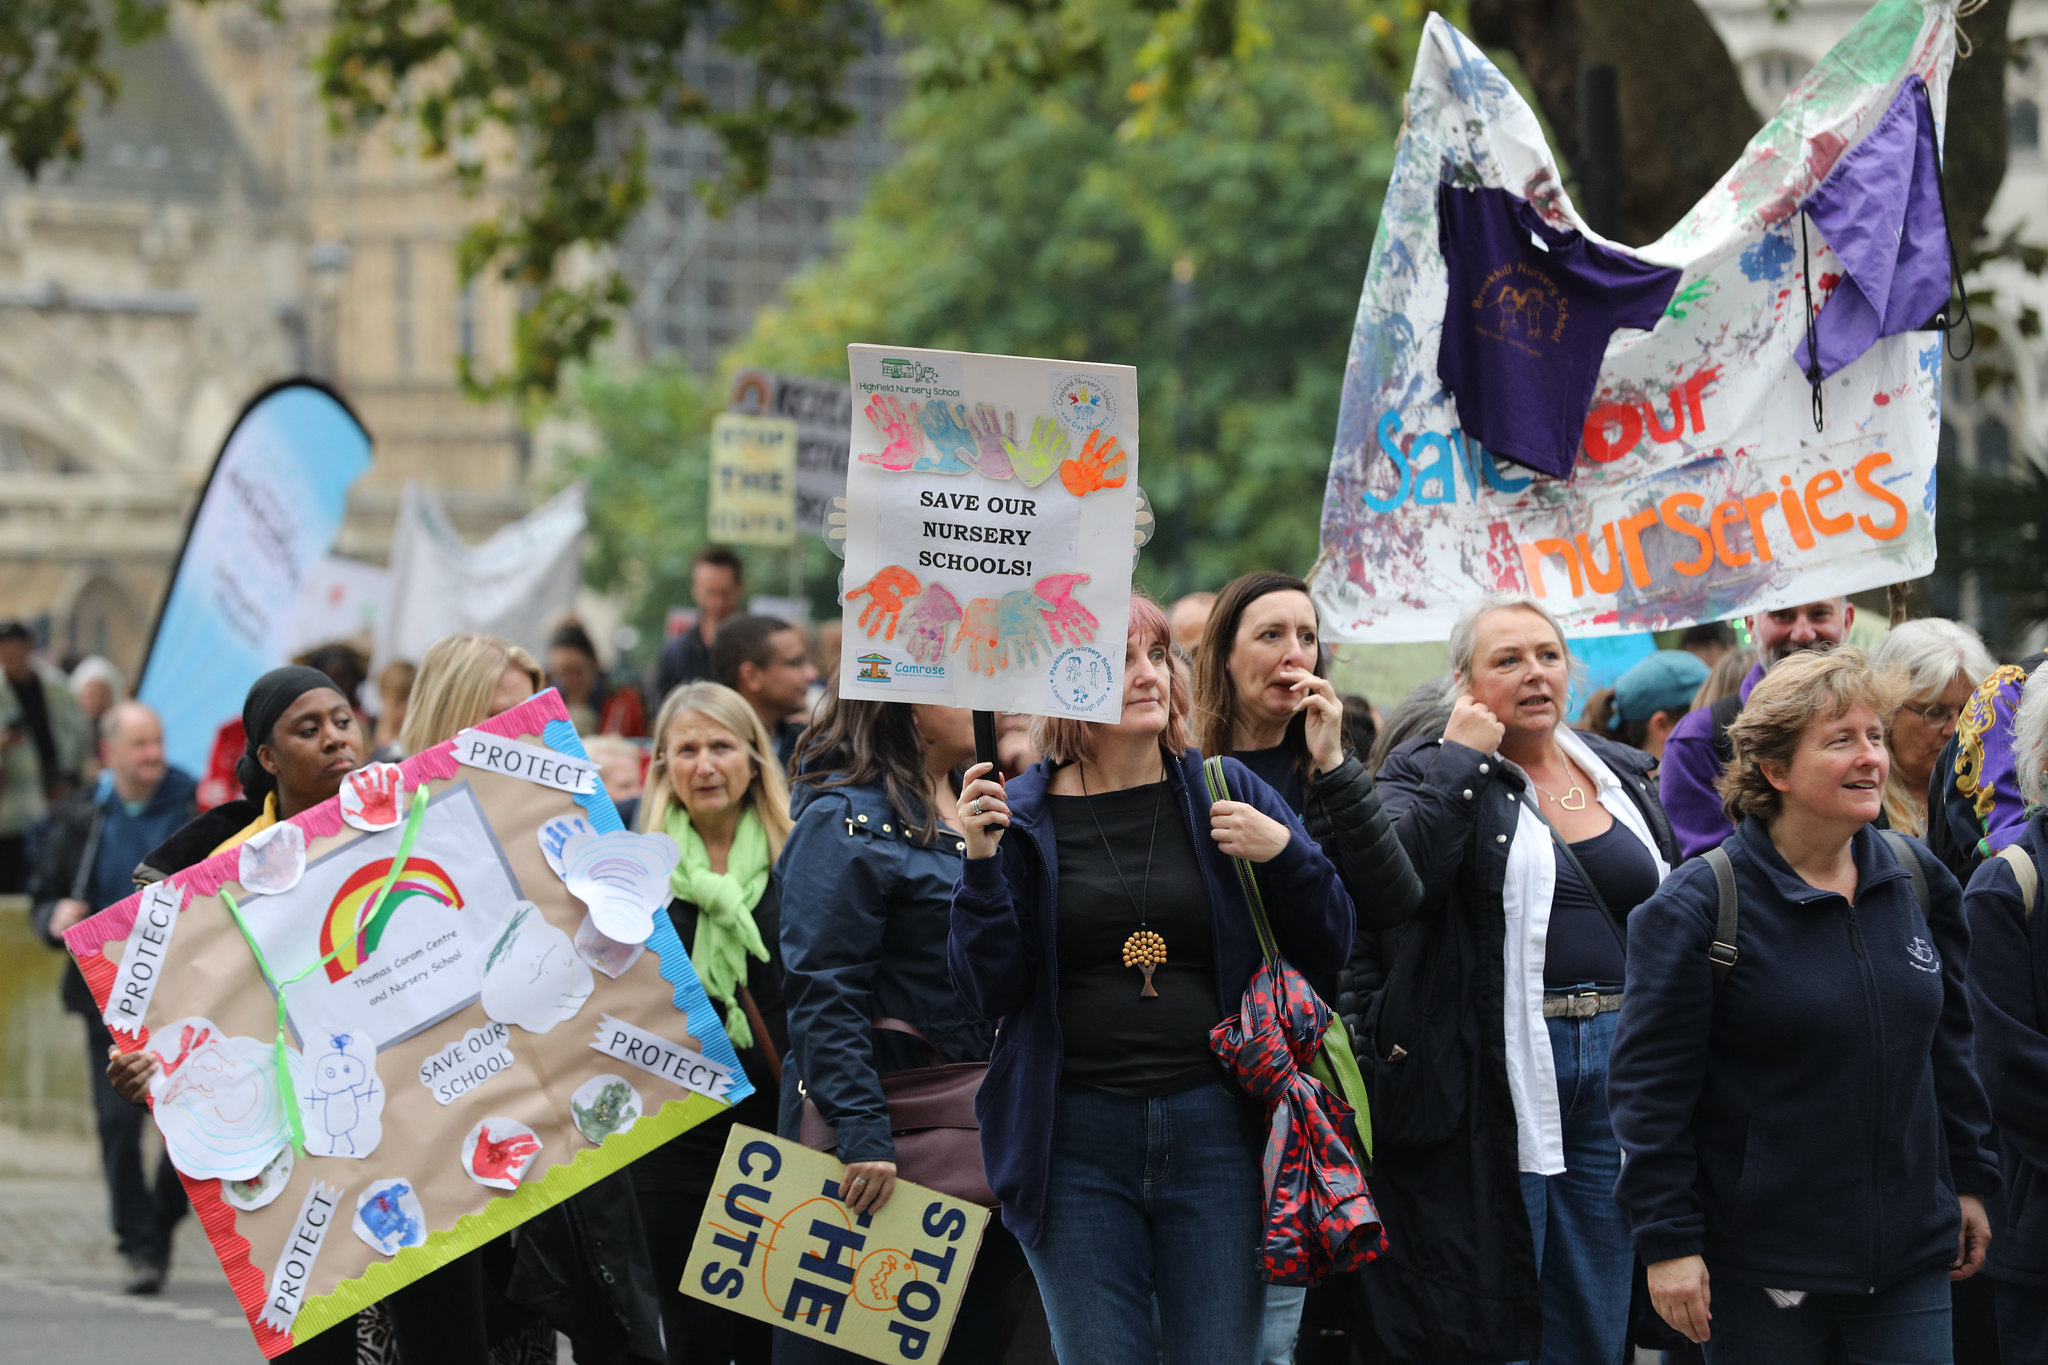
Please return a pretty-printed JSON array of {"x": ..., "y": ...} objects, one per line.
[
  {"x": 1281, "y": 1323},
  {"x": 1907, "y": 1324},
  {"x": 1583, "y": 1253},
  {"x": 2022, "y": 1324},
  {"x": 1151, "y": 1198}
]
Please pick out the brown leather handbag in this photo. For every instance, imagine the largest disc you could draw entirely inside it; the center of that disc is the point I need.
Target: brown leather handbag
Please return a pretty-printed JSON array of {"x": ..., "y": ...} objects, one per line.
[{"x": 931, "y": 1118}]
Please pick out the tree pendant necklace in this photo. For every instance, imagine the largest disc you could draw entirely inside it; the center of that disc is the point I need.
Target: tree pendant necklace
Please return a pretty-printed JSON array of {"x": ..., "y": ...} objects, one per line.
[
  {"x": 1575, "y": 795},
  {"x": 1144, "y": 949}
]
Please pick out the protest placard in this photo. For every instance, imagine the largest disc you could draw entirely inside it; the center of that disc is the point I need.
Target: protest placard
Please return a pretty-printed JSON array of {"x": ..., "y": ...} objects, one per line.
[
  {"x": 753, "y": 480},
  {"x": 820, "y": 409},
  {"x": 777, "y": 1244},
  {"x": 403, "y": 1050},
  {"x": 1701, "y": 488},
  {"x": 990, "y": 507}
]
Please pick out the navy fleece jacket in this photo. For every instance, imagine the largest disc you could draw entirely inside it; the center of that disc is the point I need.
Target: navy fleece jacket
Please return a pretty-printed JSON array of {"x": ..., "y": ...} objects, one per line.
[
  {"x": 1810, "y": 1125},
  {"x": 1004, "y": 957}
]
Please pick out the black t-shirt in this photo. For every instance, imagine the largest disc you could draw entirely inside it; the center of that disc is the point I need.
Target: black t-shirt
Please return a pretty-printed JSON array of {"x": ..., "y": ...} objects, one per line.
[
  {"x": 35, "y": 714},
  {"x": 1115, "y": 1039},
  {"x": 1584, "y": 946},
  {"x": 1275, "y": 767}
]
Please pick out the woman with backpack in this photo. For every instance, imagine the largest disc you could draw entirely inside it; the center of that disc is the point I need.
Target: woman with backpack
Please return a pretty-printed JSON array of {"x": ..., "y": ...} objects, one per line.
[
  {"x": 1804, "y": 1139},
  {"x": 2008, "y": 983}
]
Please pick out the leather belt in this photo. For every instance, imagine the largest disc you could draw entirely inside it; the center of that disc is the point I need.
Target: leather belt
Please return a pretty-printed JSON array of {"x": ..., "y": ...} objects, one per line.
[{"x": 1582, "y": 1006}]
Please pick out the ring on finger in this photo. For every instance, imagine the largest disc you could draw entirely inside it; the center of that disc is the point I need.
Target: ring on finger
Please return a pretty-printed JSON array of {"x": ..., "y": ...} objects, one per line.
[
  {"x": 860, "y": 1180},
  {"x": 974, "y": 807}
]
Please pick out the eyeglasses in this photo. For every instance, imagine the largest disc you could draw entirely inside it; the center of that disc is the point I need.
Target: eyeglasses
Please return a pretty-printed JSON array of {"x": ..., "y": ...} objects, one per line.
[{"x": 1937, "y": 716}]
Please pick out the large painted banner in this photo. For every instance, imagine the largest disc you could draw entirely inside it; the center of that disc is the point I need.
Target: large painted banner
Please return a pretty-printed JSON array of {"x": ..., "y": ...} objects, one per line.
[
  {"x": 264, "y": 524},
  {"x": 400, "y": 1024},
  {"x": 991, "y": 508},
  {"x": 1701, "y": 488}
]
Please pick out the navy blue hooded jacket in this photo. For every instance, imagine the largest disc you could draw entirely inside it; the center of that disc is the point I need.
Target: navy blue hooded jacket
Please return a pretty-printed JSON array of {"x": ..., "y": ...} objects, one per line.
[
  {"x": 1810, "y": 1125},
  {"x": 1005, "y": 958},
  {"x": 2009, "y": 1002}
]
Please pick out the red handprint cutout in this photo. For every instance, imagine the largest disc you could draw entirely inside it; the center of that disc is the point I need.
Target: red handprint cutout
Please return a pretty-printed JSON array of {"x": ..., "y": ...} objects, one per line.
[
  {"x": 1101, "y": 458},
  {"x": 978, "y": 633},
  {"x": 188, "y": 1039},
  {"x": 503, "y": 1159},
  {"x": 1068, "y": 621},
  {"x": 899, "y": 425},
  {"x": 371, "y": 797},
  {"x": 885, "y": 592}
]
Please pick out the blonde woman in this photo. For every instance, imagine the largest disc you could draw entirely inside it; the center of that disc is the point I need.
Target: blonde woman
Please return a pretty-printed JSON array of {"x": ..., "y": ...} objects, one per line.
[
  {"x": 465, "y": 679},
  {"x": 716, "y": 789},
  {"x": 1940, "y": 663},
  {"x": 1808, "y": 1126}
]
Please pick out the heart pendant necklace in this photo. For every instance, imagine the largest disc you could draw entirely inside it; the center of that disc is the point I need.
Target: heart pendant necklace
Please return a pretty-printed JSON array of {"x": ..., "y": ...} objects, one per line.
[{"x": 1575, "y": 795}]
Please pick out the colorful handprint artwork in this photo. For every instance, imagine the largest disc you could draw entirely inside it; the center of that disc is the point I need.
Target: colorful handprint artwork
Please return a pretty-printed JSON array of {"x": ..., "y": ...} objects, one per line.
[
  {"x": 1101, "y": 466},
  {"x": 994, "y": 433},
  {"x": 374, "y": 798},
  {"x": 902, "y": 436},
  {"x": 389, "y": 1216},
  {"x": 979, "y": 633},
  {"x": 1020, "y": 629},
  {"x": 497, "y": 1152},
  {"x": 931, "y": 621},
  {"x": 1039, "y": 459},
  {"x": 953, "y": 443},
  {"x": 1068, "y": 621},
  {"x": 886, "y": 593}
]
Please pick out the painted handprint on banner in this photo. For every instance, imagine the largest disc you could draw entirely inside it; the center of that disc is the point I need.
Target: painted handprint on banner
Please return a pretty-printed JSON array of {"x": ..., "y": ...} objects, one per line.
[
  {"x": 932, "y": 618},
  {"x": 1020, "y": 629},
  {"x": 978, "y": 632},
  {"x": 1101, "y": 466},
  {"x": 885, "y": 592},
  {"x": 946, "y": 424},
  {"x": 993, "y": 433},
  {"x": 1069, "y": 621},
  {"x": 899, "y": 425},
  {"x": 1040, "y": 460},
  {"x": 373, "y": 798}
]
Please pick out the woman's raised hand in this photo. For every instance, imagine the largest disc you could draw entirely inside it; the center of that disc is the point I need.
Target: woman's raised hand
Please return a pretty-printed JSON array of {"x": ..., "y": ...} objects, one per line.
[
  {"x": 1325, "y": 725},
  {"x": 1245, "y": 831},
  {"x": 1473, "y": 725},
  {"x": 984, "y": 814}
]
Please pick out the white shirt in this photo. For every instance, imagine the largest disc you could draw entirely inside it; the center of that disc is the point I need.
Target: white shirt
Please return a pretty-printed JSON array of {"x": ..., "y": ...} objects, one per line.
[{"x": 1525, "y": 899}]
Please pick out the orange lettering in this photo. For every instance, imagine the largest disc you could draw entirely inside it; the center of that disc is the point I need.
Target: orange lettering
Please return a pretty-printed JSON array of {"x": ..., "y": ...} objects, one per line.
[
  {"x": 1533, "y": 555},
  {"x": 1609, "y": 579},
  {"x": 1632, "y": 529},
  {"x": 1864, "y": 480},
  {"x": 1795, "y": 515},
  {"x": 1725, "y": 513},
  {"x": 1754, "y": 507},
  {"x": 1668, "y": 510},
  {"x": 1825, "y": 484}
]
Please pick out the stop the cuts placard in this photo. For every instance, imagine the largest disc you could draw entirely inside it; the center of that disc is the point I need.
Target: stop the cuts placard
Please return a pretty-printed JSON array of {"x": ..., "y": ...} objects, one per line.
[{"x": 990, "y": 505}]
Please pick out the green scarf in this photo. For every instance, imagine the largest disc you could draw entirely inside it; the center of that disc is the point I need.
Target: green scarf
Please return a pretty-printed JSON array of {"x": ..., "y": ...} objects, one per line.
[{"x": 725, "y": 901}]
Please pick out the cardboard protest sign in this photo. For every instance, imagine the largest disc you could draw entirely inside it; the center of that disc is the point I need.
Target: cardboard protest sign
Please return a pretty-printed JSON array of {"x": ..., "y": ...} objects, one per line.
[
  {"x": 1702, "y": 489},
  {"x": 990, "y": 507},
  {"x": 753, "y": 480},
  {"x": 777, "y": 1244},
  {"x": 819, "y": 407},
  {"x": 403, "y": 1050}
]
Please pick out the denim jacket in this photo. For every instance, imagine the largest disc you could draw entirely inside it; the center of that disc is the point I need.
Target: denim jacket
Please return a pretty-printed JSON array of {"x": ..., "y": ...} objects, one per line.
[{"x": 864, "y": 916}]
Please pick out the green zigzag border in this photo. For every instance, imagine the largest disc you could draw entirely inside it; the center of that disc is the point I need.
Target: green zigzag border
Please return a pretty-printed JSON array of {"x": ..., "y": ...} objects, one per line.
[{"x": 472, "y": 1230}]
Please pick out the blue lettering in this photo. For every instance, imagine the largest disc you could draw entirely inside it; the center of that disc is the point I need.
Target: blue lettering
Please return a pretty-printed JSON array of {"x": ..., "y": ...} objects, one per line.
[
  {"x": 1494, "y": 478},
  {"x": 816, "y": 1300},
  {"x": 1442, "y": 471},
  {"x": 839, "y": 1242},
  {"x": 740, "y": 1212},
  {"x": 760, "y": 1149},
  {"x": 1390, "y": 424},
  {"x": 726, "y": 1284},
  {"x": 744, "y": 1250},
  {"x": 927, "y": 1301},
  {"x": 914, "y": 1340},
  {"x": 940, "y": 1221}
]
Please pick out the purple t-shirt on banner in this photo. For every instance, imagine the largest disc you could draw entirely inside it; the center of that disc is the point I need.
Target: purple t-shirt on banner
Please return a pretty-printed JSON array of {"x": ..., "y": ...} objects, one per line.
[{"x": 1527, "y": 322}]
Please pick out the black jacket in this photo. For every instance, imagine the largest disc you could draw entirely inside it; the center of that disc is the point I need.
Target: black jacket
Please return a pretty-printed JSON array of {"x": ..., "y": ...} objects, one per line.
[
  {"x": 1459, "y": 1277},
  {"x": 2008, "y": 982},
  {"x": 1809, "y": 1125},
  {"x": 1344, "y": 816}
]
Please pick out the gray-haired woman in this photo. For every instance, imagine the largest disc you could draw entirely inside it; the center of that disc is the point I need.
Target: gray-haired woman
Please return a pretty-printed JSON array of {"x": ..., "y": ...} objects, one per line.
[
  {"x": 1496, "y": 1164},
  {"x": 1941, "y": 662}
]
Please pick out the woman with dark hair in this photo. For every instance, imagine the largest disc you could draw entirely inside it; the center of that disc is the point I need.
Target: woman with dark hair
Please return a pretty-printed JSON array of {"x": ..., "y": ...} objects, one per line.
[
  {"x": 1125, "y": 1161},
  {"x": 1262, "y": 697},
  {"x": 867, "y": 887}
]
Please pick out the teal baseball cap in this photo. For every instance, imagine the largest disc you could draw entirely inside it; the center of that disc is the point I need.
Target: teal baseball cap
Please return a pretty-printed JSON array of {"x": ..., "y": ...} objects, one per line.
[{"x": 1666, "y": 681}]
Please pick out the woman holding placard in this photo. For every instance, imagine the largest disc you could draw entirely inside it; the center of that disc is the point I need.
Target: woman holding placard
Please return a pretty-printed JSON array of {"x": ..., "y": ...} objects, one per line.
[
  {"x": 867, "y": 886},
  {"x": 716, "y": 789},
  {"x": 1108, "y": 933}
]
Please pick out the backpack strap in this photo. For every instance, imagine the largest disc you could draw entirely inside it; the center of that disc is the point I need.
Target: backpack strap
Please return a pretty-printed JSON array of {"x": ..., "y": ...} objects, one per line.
[
  {"x": 1722, "y": 953},
  {"x": 1907, "y": 857},
  {"x": 2024, "y": 872}
]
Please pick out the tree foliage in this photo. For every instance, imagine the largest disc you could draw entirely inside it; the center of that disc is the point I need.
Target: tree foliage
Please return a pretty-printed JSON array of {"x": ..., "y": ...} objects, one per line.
[{"x": 1026, "y": 217}]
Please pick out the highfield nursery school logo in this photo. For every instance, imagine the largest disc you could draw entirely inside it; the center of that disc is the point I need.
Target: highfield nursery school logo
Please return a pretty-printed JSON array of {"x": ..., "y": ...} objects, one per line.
[
  {"x": 874, "y": 668},
  {"x": 911, "y": 371},
  {"x": 420, "y": 878}
]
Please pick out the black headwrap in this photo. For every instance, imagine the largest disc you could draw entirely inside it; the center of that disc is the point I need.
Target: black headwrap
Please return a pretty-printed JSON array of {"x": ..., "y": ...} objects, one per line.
[{"x": 270, "y": 696}]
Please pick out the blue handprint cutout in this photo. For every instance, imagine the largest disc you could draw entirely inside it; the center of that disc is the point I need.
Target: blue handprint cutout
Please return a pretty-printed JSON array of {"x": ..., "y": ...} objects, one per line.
[
  {"x": 1020, "y": 630},
  {"x": 953, "y": 444}
]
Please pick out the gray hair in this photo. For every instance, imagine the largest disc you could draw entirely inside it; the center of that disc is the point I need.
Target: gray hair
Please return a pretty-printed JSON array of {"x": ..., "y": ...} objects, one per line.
[
  {"x": 1931, "y": 653},
  {"x": 94, "y": 668},
  {"x": 110, "y": 720},
  {"x": 2030, "y": 740},
  {"x": 1465, "y": 633}
]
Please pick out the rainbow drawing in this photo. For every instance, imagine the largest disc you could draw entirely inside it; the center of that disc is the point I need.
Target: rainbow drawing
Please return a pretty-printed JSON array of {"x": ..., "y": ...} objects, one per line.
[{"x": 421, "y": 877}]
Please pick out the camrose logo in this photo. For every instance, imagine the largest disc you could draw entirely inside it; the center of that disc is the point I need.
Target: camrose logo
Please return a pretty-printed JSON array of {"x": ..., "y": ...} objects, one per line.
[{"x": 920, "y": 670}]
